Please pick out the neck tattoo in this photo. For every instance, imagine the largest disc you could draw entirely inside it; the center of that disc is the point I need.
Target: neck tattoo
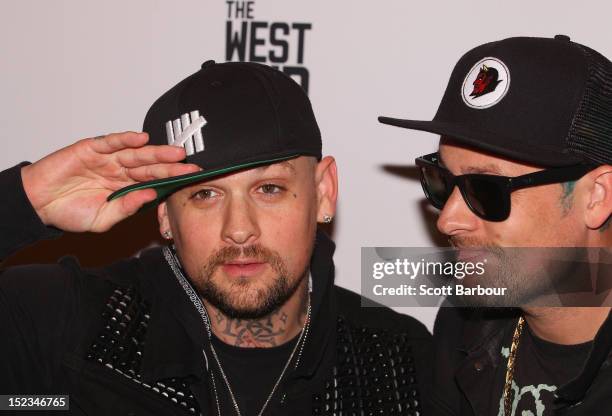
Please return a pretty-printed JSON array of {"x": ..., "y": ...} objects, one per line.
[
  {"x": 270, "y": 331},
  {"x": 259, "y": 333}
]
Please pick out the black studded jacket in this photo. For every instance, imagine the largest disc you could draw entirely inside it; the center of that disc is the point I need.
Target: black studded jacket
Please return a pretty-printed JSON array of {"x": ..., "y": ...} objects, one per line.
[{"x": 126, "y": 340}]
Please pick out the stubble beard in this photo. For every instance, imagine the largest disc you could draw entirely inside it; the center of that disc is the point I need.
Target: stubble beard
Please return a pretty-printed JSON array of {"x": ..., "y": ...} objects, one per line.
[
  {"x": 241, "y": 299},
  {"x": 528, "y": 274}
]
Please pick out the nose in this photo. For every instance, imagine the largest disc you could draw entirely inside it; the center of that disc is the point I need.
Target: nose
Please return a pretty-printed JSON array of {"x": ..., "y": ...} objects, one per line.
[
  {"x": 456, "y": 218},
  {"x": 240, "y": 225}
]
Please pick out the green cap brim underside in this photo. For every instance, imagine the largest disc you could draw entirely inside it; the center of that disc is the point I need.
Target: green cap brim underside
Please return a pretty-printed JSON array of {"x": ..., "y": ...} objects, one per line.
[{"x": 165, "y": 187}]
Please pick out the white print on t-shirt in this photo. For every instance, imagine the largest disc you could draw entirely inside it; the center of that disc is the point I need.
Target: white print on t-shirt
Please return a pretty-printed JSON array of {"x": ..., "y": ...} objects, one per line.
[
  {"x": 520, "y": 393},
  {"x": 505, "y": 352}
]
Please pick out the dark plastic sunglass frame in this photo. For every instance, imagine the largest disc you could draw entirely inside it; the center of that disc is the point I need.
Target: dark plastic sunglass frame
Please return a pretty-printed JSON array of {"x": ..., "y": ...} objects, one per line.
[{"x": 507, "y": 184}]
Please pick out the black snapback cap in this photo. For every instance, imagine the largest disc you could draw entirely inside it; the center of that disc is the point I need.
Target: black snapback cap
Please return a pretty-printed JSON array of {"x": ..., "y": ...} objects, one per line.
[
  {"x": 542, "y": 101},
  {"x": 230, "y": 116}
]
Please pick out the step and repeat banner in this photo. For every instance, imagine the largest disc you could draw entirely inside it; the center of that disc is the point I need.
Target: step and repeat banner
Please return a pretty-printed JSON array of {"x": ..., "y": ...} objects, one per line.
[{"x": 72, "y": 69}]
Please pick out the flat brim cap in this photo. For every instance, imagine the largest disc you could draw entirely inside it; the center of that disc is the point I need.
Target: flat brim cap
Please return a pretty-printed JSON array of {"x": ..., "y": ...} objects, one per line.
[
  {"x": 251, "y": 115},
  {"x": 527, "y": 108}
]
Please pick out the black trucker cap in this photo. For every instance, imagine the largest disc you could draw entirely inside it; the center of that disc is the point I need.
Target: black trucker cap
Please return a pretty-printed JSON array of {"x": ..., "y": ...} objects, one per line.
[
  {"x": 230, "y": 116},
  {"x": 542, "y": 101}
]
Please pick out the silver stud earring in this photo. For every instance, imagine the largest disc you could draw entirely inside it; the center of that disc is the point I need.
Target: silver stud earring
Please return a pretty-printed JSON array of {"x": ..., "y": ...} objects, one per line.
[
  {"x": 327, "y": 219},
  {"x": 167, "y": 235}
]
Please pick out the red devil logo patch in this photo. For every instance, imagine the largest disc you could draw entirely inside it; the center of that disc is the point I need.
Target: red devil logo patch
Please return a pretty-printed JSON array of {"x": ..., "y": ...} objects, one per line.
[{"x": 486, "y": 81}]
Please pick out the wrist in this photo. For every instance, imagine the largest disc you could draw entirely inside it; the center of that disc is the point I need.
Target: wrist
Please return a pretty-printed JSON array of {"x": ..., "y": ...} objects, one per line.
[{"x": 29, "y": 186}]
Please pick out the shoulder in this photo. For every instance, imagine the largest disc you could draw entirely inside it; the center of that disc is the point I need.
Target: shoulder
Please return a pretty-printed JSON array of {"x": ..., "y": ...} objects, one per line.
[
  {"x": 456, "y": 331},
  {"x": 41, "y": 284},
  {"x": 382, "y": 337},
  {"x": 450, "y": 322},
  {"x": 464, "y": 327},
  {"x": 66, "y": 282},
  {"x": 376, "y": 316}
]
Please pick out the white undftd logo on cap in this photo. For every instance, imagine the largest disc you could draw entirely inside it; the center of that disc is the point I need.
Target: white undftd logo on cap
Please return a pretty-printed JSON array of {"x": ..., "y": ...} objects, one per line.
[
  {"x": 486, "y": 84},
  {"x": 186, "y": 131}
]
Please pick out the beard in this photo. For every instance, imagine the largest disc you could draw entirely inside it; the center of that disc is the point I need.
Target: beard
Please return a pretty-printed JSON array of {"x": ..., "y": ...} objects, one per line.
[
  {"x": 244, "y": 298},
  {"x": 533, "y": 276}
]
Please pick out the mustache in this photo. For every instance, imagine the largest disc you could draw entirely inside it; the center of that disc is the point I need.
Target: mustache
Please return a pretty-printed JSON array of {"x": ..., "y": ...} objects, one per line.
[
  {"x": 255, "y": 251},
  {"x": 466, "y": 242},
  {"x": 471, "y": 242}
]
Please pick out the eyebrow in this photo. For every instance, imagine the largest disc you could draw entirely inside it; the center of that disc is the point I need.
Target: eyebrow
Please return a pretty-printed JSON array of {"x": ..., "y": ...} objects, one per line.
[
  {"x": 488, "y": 168},
  {"x": 285, "y": 164}
]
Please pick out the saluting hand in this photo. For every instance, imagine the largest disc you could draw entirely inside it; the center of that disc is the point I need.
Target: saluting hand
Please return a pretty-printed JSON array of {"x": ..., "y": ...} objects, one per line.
[{"x": 68, "y": 188}]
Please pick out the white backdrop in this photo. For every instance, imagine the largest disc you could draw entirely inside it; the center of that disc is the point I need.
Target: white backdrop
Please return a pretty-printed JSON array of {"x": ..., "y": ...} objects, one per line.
[{"x": 73, "y": 68}]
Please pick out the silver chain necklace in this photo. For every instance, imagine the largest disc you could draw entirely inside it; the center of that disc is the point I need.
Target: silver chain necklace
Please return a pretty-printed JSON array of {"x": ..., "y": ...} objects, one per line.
[
  {"x": 303, "y": 334},
  {"x": 174, "y": 264}
]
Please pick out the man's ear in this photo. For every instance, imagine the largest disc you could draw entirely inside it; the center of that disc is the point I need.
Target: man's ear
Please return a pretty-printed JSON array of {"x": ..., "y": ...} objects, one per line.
[
  {"x": 162, "y": 218},
  {"x": 326, "y": 180},
  {"x": 599, "y": 206}
]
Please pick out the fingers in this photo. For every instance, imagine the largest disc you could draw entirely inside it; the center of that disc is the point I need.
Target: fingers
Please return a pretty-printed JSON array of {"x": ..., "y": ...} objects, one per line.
[
  {"x": 132, "y": 158},
  {"x": 132, "y": 202},
  {"x": 160, "y": 171},
  {"x": 122, "y": 208},
  {"x": 129, "y": 149},
  {"x": 117, "y": 141}
]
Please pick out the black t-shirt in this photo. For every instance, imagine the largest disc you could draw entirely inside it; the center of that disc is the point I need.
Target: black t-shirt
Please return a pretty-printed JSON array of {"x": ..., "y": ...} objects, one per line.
[
  {"x": 541, "y": 367},
  {"x": 252, "y": 373}
]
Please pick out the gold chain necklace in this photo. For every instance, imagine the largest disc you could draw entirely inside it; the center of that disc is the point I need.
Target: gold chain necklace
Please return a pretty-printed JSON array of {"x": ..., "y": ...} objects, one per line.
[{"x": 510, "y": 366}]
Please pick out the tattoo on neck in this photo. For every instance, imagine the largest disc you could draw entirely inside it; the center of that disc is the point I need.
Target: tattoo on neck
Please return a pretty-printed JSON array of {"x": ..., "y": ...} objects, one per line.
[
  {"x": 264, "y": 332},
  {"x": 269, "y": 331},
  {"x": 567, "y": 197},
  {"x": 219, "y": 317}
]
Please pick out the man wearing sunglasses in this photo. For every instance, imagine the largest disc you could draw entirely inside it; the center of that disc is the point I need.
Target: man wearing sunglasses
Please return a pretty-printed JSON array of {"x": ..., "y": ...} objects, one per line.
[{"x": 524, "y": 160}]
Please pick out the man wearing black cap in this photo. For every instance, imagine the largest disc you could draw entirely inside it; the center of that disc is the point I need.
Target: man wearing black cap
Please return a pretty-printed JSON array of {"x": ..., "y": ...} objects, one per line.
[
  {"x": 239, "y": 314},
  {"x": 524, "y": 160}
]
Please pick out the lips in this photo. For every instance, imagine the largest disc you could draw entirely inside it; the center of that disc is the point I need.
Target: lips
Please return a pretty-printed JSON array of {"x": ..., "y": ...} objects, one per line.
[{"x": 243, "y": 267}]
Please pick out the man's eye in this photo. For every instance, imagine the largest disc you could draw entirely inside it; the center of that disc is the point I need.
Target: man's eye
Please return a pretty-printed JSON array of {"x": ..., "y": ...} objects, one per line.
[
  {"x": 270, "y": 188},
  {"x": 205, "y": 194}
]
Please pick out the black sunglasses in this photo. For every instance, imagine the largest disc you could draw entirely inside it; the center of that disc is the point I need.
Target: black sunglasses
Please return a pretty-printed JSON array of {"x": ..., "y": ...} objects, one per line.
[{"x": 487, "y": 196}]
